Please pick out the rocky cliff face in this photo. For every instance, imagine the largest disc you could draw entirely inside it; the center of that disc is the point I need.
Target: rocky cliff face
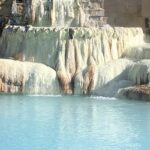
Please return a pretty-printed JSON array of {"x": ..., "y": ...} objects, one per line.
[{"x": 129, "y": 13}]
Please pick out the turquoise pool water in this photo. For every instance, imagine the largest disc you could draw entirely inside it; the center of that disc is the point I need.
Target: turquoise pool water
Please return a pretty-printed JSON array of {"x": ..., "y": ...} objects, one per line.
[{"x": 73, "y": 123}]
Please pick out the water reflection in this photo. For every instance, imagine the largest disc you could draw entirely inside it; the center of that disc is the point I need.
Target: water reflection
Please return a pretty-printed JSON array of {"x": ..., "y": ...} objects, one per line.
[{"x": 73, "y": 123}]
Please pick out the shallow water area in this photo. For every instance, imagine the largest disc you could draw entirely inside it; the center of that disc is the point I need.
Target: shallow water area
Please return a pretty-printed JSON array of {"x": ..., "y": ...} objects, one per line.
[{"x": 73, "y": 123}]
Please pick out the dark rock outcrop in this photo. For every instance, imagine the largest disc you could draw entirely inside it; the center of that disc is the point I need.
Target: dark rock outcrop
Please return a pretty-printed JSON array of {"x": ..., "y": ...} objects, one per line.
[{"x": 141, "y": 92}]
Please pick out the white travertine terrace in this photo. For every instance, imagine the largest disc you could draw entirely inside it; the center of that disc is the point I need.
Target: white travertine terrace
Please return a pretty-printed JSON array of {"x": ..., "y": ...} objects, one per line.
[
  {"x": 43, "y": 44},
  {"x": 84, "y": 59},
  {"x": 64, "y": 47}
]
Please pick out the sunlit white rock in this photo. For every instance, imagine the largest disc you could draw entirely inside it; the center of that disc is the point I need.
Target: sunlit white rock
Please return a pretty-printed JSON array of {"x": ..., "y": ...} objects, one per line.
[{"x": 27, "y": 77}]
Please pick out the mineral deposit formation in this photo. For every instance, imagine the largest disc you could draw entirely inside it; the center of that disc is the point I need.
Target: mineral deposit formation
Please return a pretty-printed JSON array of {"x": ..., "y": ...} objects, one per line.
[{"x": 66, "y": 47}]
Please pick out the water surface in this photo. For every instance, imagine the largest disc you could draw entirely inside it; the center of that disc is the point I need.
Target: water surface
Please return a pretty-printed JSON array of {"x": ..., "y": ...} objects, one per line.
[{"x": 73, "y": 123}]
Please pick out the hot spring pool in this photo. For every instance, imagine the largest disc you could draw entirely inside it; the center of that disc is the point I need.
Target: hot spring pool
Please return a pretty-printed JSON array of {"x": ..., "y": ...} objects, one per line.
[{"x": 73, "y": 123}]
